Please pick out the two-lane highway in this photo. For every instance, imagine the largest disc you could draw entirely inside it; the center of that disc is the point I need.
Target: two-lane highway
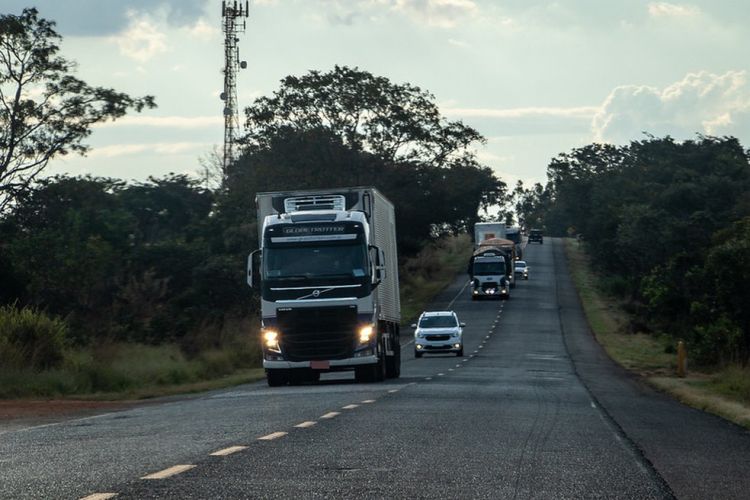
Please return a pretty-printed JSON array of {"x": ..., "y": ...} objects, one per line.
[{"x": 516, "y": 417}]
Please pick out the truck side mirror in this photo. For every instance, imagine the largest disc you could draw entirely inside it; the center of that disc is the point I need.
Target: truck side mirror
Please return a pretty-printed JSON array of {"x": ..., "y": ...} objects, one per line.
[
  {"x": 253, "y": 268},
  {"x": 377, "y": 257}
]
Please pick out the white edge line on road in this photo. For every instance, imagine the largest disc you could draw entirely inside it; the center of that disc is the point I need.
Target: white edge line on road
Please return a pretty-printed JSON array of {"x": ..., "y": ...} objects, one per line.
[
  {"x": 227, "y": 451},
  {"x": 305, "y": 425},
  {"x": 272, "y": 436},
  {"x": 331, "y": 414},
  {"x": 349, "y": 407},
  {"x": 171, "y": 471},
  {"x": 393, "y": 391},
  {"x": 100, "y": 496}
]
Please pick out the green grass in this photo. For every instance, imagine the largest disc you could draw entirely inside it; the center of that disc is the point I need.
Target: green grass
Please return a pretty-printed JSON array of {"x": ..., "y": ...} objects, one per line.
[
  {"x": 132, "y": 371},
  {"x": 425, "y": 275},
  {"x": 635, "y": 351},
  {"x": 724, "y": 392}
]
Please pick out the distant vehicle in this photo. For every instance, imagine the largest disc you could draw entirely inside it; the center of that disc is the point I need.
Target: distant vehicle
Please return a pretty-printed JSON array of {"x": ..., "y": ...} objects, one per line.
[
  {"x": 438, "y": 332},
  {"x": 513, "y": 233},
  {"x": 487, "y": 231},
  {"x": 520, "y": 268},
  {"x": 491, "y": 269},
  {"x": 536, "y": 235}
]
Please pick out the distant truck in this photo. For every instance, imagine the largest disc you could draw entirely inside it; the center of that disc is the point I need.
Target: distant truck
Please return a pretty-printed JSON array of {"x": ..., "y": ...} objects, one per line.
[
  {"x": 327, "y": 271},
  {"x": 513, "y": 233},
  {"x": 491, "y": 269},
  {"x": 487, "y": 231}
]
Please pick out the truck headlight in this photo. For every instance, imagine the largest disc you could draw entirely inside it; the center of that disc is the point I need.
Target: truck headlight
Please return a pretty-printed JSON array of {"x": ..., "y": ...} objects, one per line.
[
  {"x": 271, "y": 340},
  {"x": 365, "y": 334}
]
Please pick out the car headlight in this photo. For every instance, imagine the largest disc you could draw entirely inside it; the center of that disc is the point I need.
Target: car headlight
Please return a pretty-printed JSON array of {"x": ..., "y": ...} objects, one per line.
[
  {"x": 271, "y": 340},
  {"x": 365, "y": 333}
]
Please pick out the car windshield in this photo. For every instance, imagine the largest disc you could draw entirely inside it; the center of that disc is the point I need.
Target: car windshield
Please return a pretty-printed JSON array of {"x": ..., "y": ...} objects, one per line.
[
  {"x": 438, "y": 322},
  {"x": 520, "y": 264}
]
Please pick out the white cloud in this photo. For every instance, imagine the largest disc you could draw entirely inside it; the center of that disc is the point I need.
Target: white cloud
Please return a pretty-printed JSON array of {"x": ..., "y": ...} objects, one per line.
[
  {"x": 201, "y": 30},
  {"x": 441, "y": 13},
  {"x": 164, "y": 148},
  {"x": 142, "y": 40},
  {"x": 438, "y": 13},
  {"x": 665, "y": 9},
  {"x": 179, "y": 122},
  {"x": 575, "y": 112},
  {"x": 459, "y": 43},
  {"x": 700, "y": 103}
]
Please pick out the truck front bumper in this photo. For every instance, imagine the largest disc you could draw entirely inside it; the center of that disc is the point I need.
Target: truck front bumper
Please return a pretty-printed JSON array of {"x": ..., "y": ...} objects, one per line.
[{"x": 335, "y": 364}]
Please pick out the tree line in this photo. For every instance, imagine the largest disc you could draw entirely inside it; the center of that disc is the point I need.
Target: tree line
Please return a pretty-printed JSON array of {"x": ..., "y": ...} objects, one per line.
[
  {"x": 163, "y": 260},
  {"x": 668, "y": 224}
]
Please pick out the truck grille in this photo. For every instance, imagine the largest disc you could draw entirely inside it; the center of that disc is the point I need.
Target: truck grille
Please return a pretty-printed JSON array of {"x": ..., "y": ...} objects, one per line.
[{"x": 317, "y": 333}]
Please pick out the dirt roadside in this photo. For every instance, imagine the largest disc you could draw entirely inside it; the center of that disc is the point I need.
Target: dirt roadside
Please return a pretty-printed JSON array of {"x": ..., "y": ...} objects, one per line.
[{"x": 22, "y": 414}]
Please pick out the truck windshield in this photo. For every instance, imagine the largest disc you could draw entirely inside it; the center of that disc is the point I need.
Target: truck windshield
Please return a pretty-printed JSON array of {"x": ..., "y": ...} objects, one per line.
[
  {"x": 315, "y": 261},
  {"x": 488, "y": 268},
  {"x": 437, "y": 322}
]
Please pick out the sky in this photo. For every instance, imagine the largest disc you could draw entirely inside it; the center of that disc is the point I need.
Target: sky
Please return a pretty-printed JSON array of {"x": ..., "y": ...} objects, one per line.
[{"x": 536, "y": 77}]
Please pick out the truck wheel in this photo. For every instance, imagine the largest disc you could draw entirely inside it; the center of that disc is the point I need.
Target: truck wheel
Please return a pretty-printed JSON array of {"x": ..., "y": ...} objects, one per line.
[
  {"x": 393, "y": 363},
  {"x": 372, "y": 373},
  {"x": 276, "y": 377}
]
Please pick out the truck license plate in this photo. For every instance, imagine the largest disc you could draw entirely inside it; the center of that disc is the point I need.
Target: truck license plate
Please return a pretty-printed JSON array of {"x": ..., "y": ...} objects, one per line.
[{"x": 320, "y": 365}]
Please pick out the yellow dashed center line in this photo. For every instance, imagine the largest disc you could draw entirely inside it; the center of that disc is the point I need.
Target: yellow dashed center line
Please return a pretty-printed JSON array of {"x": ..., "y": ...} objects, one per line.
[
  {"x": 228, "y": 451},
  {"x": 331, "y": 414},
  {"x": 305, "y": 425},
  {"x": 100, "y": 496},
  {"x": 172, "y": 471},
  {"x": 272, "y": 436}
]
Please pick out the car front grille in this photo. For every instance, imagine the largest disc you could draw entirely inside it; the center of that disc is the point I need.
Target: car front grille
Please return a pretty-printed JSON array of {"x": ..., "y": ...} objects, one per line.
[{"x": 437, "y": 337}]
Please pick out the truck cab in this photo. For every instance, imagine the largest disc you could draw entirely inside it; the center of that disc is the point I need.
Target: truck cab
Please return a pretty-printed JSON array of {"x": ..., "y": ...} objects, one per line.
[{"x": 328, "y": 282}]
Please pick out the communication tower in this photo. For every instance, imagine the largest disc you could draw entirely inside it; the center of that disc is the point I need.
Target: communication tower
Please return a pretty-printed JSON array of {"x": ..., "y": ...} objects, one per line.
[{"x": 233, "y": 14}]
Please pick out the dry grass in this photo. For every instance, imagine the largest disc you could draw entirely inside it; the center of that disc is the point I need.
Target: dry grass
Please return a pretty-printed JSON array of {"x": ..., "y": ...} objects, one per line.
[{"x": 725, "y": 393}]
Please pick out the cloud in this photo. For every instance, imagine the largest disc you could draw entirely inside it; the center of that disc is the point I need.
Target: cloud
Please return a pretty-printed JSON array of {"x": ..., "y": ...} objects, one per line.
[
  {"x": 97, "y": 18},
  {"x": 142, "y": 41},
  {"x": 178, "y": 122},
  {"x": 440, "y": 13},
  {"x": 526, "y": 121},
  {"x": 164, "y": 148},
  {"x": 665, "y": 9},
  {"x": 576, "y": 112},
  {"x": 700, "y": 103}
]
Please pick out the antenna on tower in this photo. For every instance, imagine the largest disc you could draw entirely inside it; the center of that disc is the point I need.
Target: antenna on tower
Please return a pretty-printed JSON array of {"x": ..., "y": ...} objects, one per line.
[{"x": 231, "y": 12}]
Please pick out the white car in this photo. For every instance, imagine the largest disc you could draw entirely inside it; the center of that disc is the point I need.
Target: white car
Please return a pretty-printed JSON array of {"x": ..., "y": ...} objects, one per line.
[
  {"x": 438, "y": 332},
  {"x": 520, "y": 268}
]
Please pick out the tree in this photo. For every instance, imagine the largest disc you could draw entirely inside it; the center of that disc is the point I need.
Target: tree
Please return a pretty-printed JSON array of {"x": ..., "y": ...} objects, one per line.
[
  {"x": 370, "y": 113},
  {"x": 728, "y": 265},
  {"x": 44, "y": 110}
]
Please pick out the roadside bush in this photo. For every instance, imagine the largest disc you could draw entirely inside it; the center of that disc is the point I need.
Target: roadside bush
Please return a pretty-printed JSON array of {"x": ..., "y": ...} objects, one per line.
[{"x": 31, "y": 339}]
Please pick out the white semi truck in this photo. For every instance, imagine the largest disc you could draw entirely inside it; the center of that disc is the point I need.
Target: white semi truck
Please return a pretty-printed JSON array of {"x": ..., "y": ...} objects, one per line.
[
  {"x": 487, "y": 231},
  {"x": 327, "y": 272}
]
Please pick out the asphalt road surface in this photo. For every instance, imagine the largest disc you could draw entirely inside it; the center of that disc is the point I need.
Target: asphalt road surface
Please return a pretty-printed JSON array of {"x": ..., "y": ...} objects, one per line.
[{"x": 533, "y": 410}]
